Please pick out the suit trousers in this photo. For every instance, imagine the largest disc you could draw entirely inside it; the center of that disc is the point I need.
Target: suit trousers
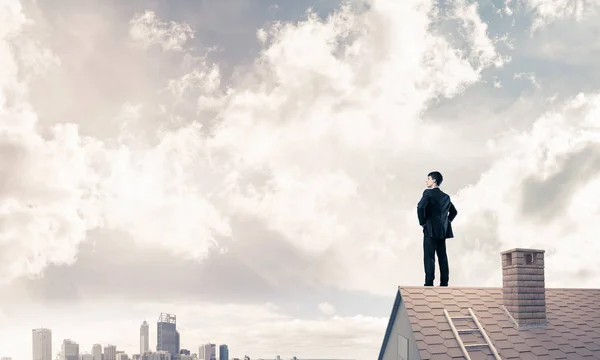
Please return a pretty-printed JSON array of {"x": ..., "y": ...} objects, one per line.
[{"x": 431, "y": 247}]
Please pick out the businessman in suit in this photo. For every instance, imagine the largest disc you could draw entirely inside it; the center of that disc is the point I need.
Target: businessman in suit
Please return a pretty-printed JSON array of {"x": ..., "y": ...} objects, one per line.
[{"x": 435, "y": 212}]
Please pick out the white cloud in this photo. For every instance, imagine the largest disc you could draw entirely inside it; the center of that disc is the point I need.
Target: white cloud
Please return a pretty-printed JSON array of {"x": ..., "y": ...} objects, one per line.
[
  {"x": 495, "y": 207},
  {"x": 548, "y": 11},
  {"x": 327, "y": 308},
  {"x": 203, "y": 82},
  {"x": 314, "y": 115},
  {"x": 482, "y": 47},
  {"x": 528, "y": 76},
  {"x": 44, "y": 193},
  {"x": 147, "y": 29}
]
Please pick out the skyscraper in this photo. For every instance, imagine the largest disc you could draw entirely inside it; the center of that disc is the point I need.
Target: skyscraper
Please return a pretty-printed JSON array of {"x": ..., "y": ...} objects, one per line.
[
  {"x": 224, "y": 352},
  {"x": 207, "y": 352},
  {"x": 70, "y": 350},
  {"x": 144, "y": 338},
  {"x": 97, "y": 351},
  {"x": 159, "y": 355},
  {"x": 110, "y": 352},
  {"x": 167, "y": 337},
  {"x": 42, "y": 344}
]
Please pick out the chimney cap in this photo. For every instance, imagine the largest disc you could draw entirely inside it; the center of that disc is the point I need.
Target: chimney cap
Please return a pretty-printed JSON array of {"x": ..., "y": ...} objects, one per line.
[{"x": 523, "y": 250}]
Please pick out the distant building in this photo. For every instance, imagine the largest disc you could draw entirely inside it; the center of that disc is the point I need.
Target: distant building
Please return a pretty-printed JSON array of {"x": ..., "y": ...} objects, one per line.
[
  {"x": 6, "y": 358},
  {"x": 42, "y": 344},
  {"x": 86, "y": 357},
  {"x": 184, "y": 352},
  {"x": 224, "y": 352},
  {"x": 159, "y": 355},
  {"x": 70, "y": 350},
  {"x": 96, "y": 352},
  {"x": 167, "y": 337},
  {"x": 144, "y": 338},
  {"x": 136, "y": 357},
  {"x": 207, "y": 352},
  {"x": 122, "y": 356},
  {"x": 110, "y": 352}
]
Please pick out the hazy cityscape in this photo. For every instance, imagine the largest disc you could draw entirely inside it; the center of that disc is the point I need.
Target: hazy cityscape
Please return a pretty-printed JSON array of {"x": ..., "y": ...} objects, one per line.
[{"x": 168, "y": 346}]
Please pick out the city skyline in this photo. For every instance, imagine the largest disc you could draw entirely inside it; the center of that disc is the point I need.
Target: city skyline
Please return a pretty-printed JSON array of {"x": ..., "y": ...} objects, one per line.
[
  {"x": 71, "y": 350},
  {"x": 254, "y": 166}
]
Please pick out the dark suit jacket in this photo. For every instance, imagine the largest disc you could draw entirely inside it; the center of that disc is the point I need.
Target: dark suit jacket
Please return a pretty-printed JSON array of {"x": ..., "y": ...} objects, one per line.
[{"x": 436, "y": 212}]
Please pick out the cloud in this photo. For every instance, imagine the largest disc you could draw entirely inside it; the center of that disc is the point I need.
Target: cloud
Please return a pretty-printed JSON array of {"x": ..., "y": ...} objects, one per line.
[
  {"x": 327, "y": 308},
  {"x": 279, "y": 148},
  {"x": 147, "y": 30},
  {"x": 528, "y": 76},
  {"x": 179, "y": 190},
  {"x": 532, "y": 196},
  {"x": 548, "y": 11}
]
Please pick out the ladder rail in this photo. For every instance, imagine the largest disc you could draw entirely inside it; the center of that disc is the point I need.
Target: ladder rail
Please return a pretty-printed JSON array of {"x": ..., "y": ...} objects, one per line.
[
  {"x": 480, "y": 329},
  {"x": 457, "y": 336},
  {"x": 485, "y": 335}
]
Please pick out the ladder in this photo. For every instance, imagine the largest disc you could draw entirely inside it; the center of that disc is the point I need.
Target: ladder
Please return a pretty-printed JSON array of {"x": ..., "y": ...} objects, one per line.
[{"x": 465, "y": 347}]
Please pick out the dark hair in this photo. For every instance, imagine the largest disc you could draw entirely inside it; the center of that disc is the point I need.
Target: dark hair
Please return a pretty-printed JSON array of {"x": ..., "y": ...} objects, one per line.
[{"x": 437, "y": 176}]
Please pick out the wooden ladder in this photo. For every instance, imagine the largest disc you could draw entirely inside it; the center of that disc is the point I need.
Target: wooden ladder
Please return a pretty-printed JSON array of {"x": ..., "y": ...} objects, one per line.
[{"x": 465, "y": 347}]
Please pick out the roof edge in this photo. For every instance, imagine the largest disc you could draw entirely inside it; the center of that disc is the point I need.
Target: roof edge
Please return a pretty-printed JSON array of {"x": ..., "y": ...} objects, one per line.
[
  {"x": 388, "y": 330},
  {"x": 489, "y": 287}
]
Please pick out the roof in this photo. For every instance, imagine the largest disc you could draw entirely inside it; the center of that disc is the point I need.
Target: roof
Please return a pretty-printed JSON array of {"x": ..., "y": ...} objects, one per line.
[{"x": 572, "y": 330}]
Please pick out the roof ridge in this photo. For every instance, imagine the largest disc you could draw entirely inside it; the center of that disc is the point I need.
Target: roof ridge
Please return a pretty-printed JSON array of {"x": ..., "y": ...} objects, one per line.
[{"x": 485, "y": 287}]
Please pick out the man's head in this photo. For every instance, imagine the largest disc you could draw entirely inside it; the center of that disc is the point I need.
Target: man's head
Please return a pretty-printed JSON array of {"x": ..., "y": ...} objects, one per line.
[{"x": 434, "y": 179}]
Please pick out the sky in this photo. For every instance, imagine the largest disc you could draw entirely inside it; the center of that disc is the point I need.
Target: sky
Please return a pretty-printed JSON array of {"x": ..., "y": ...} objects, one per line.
[{"x": 253, "y": 166}]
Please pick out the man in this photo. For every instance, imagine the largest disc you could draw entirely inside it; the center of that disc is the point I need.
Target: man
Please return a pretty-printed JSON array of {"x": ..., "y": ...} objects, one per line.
[{"x": 435, "y": 212}]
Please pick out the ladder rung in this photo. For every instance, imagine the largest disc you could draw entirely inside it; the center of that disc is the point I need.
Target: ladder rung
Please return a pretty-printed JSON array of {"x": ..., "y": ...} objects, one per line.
[
  {"x": 457, "y": 332},
  {"x": 466, "y": 331}
]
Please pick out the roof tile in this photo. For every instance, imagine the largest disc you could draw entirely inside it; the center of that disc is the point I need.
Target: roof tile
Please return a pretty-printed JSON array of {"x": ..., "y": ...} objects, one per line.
[
  {"x": 433, "y": 340},
  {"x": 583, "y": 352},
  {"x": 592, "y": 346},
  {"x": 522, "y": 348},
  {"x": 567, "y": 349},
  {"x": 557, "y": 354},
  {"x": 510, "y": 354},
  {"x": 429, "y": 331},
  {"x": 538, "y": 351},
  {"x": 440, "y": 357},
  {"x": 549, "y": 345},
  {"x": 436, "y": 349}
]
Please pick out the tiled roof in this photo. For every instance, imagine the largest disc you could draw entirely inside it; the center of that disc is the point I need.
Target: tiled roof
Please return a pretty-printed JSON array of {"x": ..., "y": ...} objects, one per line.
[{"x": 572, "y": 330}]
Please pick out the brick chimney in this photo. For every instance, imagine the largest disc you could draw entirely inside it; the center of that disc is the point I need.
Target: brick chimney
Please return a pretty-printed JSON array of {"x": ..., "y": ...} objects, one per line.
[{"x": 523, "y": 286}]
